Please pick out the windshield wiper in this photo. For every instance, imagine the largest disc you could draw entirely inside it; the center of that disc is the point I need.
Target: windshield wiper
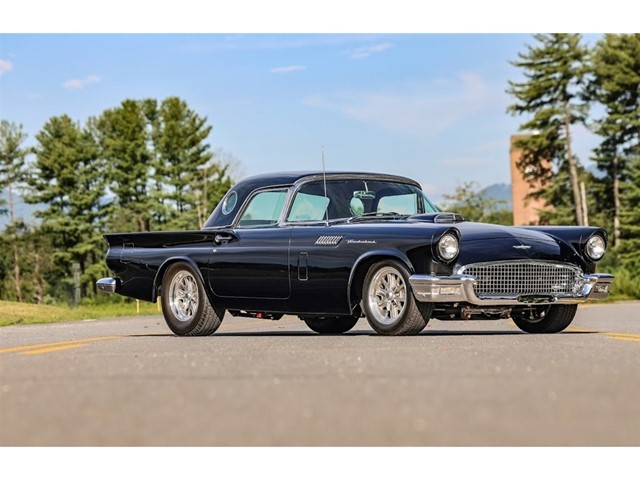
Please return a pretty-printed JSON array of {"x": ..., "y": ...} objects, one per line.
[{"x": 378, "y": 215}]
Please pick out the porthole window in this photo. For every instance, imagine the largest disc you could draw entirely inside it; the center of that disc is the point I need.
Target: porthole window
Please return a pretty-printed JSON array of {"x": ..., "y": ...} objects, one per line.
[{"x": 229, "y": 203}]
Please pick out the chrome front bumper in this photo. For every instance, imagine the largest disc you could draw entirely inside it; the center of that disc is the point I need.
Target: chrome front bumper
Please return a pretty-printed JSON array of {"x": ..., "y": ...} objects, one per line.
[
  {"x": 459, "y": 289},
  {"x": 108, "y": 285}
]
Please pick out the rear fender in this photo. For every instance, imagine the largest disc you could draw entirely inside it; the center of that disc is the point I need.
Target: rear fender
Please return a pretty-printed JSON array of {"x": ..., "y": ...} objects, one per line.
[{"x": 157, "y": 281}]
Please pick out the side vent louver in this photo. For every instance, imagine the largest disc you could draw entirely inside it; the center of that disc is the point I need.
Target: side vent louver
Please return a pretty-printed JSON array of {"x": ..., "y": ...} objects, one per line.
[{"x": 329, "y": 240}]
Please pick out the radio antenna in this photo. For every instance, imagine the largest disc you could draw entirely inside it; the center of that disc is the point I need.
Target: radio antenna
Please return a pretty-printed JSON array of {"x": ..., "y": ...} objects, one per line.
[{"x": 324, "y": 178}]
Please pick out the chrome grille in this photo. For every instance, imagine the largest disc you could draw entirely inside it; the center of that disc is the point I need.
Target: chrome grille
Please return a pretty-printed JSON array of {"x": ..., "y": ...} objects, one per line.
[{"x": 497, "y": 279}]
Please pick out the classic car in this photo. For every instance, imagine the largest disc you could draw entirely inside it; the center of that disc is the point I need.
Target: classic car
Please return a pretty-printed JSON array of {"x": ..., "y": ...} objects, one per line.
[{"x": 332, "y": 247}]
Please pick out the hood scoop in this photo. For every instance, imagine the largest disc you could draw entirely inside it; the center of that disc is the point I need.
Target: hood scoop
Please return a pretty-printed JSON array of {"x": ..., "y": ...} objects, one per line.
[{"x": 439, "y": 217}]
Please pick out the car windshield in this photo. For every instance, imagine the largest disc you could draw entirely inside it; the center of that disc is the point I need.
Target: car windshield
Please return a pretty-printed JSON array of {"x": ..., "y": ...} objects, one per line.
[{"x": 357, "y": 198}]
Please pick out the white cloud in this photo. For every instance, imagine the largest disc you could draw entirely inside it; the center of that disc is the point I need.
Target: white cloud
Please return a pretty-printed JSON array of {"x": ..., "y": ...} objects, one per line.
[
  {"x": 364, "y": 52},
  {"x": 278, "y": 42},
  {"x": 288, "y": 69},
  {"x": 5, "y": 66},
  {"x": 421, "y": 110},
  {"x": 79, "y": 83}
]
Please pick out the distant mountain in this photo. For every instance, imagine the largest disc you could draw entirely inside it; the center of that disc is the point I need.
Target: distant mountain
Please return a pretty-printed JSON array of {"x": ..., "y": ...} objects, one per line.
[
  {"x": 21, "y": 209},
  {"x": 500, "y": 192}
]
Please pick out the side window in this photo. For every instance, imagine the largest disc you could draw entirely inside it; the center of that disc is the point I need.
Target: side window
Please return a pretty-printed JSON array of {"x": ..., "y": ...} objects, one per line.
[
  {"x": 308, "y": 208},
  {"x": 403, "y": 204},
  {"x": 263, "y": 210}
]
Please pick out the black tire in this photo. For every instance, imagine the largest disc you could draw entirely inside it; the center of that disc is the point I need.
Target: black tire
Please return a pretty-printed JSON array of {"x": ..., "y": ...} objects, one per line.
[
  {"x": 413, "y": 316},
  {"x": 330, "y": 325},
  {"x": 203, "y": 319},
  {"x": 552, "y": 319}
]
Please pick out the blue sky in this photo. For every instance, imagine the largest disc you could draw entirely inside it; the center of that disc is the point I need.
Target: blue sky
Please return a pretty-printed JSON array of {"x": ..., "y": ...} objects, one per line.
[{"x": 428, "y": 106}]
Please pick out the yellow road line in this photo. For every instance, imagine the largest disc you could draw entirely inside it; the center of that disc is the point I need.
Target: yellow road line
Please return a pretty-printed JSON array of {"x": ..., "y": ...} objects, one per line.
[
  {"x": 580, "y": 330},
  {"x": 630, "y": 337},
  {"x": 37, "y": 346},
  {"x": 624, "y": 336},
  {"x": 53, "y": 349}
]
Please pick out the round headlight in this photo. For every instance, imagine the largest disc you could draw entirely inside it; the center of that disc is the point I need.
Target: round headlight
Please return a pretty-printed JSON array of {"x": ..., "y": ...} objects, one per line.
[
  {"x": 595, "y": 247},
  {"x": 448, "y": 247}
]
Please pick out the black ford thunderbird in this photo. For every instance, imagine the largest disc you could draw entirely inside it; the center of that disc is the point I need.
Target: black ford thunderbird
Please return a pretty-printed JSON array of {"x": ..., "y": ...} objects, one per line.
[{"x": 332, "y": 248}]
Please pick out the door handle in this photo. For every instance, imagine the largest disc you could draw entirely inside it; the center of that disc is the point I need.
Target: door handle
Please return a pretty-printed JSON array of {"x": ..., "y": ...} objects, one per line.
[{"x": 223, "y": 238}]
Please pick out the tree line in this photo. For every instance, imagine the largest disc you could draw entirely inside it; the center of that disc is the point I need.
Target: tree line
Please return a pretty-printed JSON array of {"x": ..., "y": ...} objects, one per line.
[
  {"x": 143, "y": 165},
  {"x": 146, "y": 165},
  {"x": 566, "y": 84}
]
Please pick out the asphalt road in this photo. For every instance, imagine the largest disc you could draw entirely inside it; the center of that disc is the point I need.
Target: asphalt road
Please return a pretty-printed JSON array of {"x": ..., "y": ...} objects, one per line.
[{"x": 257, "y": 382}]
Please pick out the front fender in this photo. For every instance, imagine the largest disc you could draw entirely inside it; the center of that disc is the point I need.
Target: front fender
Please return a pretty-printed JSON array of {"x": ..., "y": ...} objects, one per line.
[{"x": 363, "y": 261}]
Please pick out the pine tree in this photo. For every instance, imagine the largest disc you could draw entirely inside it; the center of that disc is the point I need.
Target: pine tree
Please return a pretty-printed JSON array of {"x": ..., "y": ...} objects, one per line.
[
  {"x": 554, "y": 70},
  {"x": 629, "y": 250},
  {"x": 12, "y": 158},
  {"x": 615, "y": 84},
  {"x": 67, "y": 176},
  {"x": 183, "y": 162},
  {"x": 124, "y": 135}
]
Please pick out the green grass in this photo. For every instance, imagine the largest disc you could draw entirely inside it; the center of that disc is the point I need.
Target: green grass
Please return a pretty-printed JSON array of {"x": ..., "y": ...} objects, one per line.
[{"x": 12, "y": 313}]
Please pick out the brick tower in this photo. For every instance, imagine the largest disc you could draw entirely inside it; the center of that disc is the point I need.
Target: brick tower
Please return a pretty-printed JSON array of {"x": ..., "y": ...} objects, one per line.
[{"x": 525, "y": 210}]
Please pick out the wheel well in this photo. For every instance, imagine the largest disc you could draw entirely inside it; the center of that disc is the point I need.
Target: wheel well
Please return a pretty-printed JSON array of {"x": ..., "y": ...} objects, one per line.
[
  {"x": 157, "y": 281},
  {"x": 357, "y": 279}
]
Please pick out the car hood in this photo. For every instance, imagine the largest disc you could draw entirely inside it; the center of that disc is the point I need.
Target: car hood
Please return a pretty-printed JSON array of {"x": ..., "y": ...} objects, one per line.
[{"x": 480, "y": 242}]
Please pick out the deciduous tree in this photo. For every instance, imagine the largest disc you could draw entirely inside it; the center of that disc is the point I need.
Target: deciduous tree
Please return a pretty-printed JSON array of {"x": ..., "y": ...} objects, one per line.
[
  {"x": 12, "y": 158},
  {"x": 469, "y": 201}
]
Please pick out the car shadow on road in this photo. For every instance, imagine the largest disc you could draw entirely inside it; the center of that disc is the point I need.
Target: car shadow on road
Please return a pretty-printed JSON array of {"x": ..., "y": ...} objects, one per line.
[
  {"x": 437, "y": 333},
  {"x": 363, "y": 333}
]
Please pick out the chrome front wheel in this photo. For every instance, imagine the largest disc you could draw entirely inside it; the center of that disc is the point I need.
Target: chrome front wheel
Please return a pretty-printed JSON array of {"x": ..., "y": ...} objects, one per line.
[
  {"x": 387, "y": 295},
  {"x": 388, "y": 302}
]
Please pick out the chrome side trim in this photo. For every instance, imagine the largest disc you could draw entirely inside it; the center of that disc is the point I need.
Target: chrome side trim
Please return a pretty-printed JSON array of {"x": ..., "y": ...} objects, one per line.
[
  {"x": 108, "y": 285},
  {"x": 459, "y": 289}
]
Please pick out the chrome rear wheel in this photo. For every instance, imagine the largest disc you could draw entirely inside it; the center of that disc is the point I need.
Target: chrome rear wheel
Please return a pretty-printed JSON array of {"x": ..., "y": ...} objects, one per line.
[
  {"x": 185, "y": 305},
  {"x": 183, "y": 296}
]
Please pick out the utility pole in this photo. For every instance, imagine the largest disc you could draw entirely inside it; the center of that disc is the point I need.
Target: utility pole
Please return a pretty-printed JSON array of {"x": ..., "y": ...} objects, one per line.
[
  {"x": 75, "y": 268},
  {"x": 16, "y": 253}
]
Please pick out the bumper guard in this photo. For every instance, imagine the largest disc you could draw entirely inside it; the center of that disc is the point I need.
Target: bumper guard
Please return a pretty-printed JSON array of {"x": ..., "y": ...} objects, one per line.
[
  {"x": 108, "y": 285},
  {"x": 459, "y": 289}
]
